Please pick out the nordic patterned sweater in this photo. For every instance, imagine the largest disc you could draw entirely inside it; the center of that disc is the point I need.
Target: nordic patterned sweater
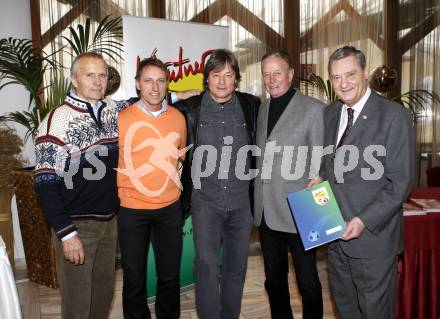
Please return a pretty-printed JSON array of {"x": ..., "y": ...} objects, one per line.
[{"x": 76, "y": 154}]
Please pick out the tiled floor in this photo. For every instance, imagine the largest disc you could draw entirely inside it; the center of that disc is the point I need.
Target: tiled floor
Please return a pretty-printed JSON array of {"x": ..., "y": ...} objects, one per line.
[{"x": 42, "y": 302}]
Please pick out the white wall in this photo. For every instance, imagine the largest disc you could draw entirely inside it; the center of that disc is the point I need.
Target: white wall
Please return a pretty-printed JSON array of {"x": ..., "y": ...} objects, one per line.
[{"x": 15, "y": 21}]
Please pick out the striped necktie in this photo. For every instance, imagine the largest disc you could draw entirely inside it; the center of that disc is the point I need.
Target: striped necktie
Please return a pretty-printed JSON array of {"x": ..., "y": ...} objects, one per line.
[{"x": 350, "y": 112}]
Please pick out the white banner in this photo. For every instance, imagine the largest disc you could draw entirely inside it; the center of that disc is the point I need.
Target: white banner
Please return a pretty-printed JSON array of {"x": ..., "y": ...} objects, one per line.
[{"x": 183, "y": 46}]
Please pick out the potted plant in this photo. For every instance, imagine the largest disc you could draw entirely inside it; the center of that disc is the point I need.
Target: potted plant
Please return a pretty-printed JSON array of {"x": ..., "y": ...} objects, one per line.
[{"x": 22, "y": 63}]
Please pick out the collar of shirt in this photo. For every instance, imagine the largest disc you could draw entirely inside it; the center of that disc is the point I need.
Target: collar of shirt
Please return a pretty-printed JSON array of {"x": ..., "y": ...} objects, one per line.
[
  {"x": 357, "y": 110},
  {"x": 95, "y": 107},
  {"x": 144, "y": 108},
  {"x": 214, "y": 106}
]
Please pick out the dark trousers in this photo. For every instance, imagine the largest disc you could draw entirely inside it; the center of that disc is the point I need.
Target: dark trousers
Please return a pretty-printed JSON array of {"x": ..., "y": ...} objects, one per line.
[
  {"x": 165, "y": 227},
  {"x": 362, "y": 287},
  {"x": 275, "y": 245},
  {"x": 87, "y": 290}
]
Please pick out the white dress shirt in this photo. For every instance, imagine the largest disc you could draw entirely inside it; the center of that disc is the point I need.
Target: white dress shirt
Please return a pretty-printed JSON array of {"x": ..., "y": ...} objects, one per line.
[
  {"x": 95, "y": 107},
  {"x": 357, "y": 110},
  {"x": 145, "y": 109}
]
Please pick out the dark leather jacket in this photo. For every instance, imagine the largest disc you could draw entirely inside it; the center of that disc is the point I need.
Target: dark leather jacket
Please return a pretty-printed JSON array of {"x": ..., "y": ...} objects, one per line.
[{"x": 191, "y": 110}]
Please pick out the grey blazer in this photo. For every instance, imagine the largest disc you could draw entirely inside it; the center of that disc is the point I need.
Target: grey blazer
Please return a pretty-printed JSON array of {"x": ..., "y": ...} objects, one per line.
[
  {"x": 301, "y": 124},
  {"x": 376, "y": 201}
]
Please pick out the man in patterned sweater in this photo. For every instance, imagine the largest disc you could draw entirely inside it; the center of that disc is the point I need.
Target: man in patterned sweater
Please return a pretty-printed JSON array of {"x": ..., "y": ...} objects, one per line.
[{"x": 76, "y": 151}]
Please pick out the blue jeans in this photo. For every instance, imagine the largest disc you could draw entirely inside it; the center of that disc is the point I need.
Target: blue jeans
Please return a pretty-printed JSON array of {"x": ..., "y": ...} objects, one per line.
[{"x": 219, "y": 293}]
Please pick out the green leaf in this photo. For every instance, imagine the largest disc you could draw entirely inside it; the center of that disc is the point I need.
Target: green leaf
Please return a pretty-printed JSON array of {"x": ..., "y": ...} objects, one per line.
[
  {"x": 417, "y": 101},
  {"x": 21, "y": 63},
  {"x": 102, "y": 41},
  {"x": 86, "y": 35},
  {"x": 77, "y": 41},
  {"x": 82, "y": 38},
  {"x": 319, "y": 87}
]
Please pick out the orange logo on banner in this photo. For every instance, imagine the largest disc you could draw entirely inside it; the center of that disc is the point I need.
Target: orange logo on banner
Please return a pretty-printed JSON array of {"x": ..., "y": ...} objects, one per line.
[{"x": 184, "y": 75}]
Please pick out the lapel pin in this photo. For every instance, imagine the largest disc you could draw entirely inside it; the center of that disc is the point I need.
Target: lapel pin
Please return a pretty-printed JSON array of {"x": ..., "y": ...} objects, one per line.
[{"x": 364, "y": 117}]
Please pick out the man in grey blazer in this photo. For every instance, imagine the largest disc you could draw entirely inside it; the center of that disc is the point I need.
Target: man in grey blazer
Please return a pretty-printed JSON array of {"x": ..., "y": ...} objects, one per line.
[
  {"x": 371, "y": 171},
  {"x": 289, "y": 125}
]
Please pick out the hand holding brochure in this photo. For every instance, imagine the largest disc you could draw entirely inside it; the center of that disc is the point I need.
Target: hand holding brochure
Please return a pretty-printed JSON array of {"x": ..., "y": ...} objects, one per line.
[{"x": 317, "y": 215}]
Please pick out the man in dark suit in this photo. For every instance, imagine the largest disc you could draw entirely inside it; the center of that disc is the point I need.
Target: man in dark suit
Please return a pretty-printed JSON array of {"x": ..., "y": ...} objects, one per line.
[
  {"x": 287, "y": 122},
  {"x": 371, "y": 171}
]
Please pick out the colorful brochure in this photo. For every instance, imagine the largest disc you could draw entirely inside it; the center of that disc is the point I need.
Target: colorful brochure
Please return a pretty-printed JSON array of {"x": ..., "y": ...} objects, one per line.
[{"x": 317, "y": 215}]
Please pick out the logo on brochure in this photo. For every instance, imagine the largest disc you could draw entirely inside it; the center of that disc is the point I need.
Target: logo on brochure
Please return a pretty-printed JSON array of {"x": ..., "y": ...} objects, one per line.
[
  {"x": 313, "y": 235},
  {"x": 320, "y": 196}
]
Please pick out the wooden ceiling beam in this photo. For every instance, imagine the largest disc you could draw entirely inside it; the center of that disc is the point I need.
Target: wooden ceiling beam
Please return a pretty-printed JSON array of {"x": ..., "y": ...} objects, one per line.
[
  {"x": 334, "y": 28},
  {"x": 363, "y": 22},
  {"x": 324, "y": 20},
  {"x": 243, "y": 17},
  {"x": 108, "y": 7},
  {"x": 254, "y": 24},
  {"x": 419, "y": 32},
  {"x": 91, "y": 8},
  {"x": 212, "y": 13},
  {"x": 64, "y": 21}
]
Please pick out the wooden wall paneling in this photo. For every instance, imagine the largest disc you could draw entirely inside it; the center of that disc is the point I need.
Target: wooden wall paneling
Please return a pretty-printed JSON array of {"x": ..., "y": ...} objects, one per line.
[
  {"x": 291, "y": 33},
  {"x": 392, "y": 54},
  {"x": 157, "y": 9},
  {"x": 36, "y": 23},
  {"x": 36, "y": 34}
]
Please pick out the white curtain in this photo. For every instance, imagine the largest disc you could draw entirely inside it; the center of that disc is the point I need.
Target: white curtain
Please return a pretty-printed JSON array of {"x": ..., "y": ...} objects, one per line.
[
  {"x": 51, "y": 11},
  {"x": 324, "y": 25},
  {"x": 247, "y": 34},
  {"x": 329, "y": 24},
  {"x": 421, "y": 70}
]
